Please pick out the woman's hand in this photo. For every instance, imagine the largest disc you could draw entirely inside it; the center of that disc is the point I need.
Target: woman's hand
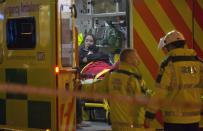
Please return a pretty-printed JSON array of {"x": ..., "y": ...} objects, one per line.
[
  {"x": 84, "y": 59},
  {"x": 90, "y": 52}
]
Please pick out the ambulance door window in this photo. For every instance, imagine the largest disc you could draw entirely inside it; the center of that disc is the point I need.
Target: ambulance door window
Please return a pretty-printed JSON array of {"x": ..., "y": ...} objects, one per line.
[
  {"x": 109, "y": 6},
  {"x": 21, "y": 33},
  {"x": 66, "y": 36},
  {"x": 104, "y": 6}
]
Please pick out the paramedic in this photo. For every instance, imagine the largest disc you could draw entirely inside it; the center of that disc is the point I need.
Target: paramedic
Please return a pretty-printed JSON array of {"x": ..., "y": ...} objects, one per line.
[
  {"x": 126, "y": 80},
  {"x": 180, "y": 83}
]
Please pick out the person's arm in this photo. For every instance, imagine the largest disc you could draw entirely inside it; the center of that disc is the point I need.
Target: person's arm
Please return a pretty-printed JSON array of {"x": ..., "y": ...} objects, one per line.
[
  {"x": 163, "y": 81},
  {"x": 97, "y": 57},
  {"x": 93, "y": 57}
]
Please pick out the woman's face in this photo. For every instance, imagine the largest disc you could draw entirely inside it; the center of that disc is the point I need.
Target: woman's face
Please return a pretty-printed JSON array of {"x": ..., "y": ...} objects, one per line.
[{"x": 89, "y": 41}]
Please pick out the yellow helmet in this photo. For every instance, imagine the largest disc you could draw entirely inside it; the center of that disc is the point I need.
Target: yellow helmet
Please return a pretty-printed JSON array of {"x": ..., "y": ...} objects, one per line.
[{"x": 171, "y": 37}]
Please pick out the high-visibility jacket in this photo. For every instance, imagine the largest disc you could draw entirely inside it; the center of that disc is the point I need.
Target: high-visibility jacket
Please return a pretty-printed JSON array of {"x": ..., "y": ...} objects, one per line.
[
  {"x": 124, "y": 81},
  {"x": 180, "y": 83}
]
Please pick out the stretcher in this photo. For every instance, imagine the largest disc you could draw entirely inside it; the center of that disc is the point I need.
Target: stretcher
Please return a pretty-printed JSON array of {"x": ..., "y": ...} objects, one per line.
[{"x": 95, "y": 109}]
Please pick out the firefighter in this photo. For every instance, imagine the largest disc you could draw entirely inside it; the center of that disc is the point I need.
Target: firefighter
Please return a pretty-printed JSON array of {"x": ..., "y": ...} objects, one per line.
[
  {"x": 126, "y": 80},
  {"x": 180, "y": 83}
]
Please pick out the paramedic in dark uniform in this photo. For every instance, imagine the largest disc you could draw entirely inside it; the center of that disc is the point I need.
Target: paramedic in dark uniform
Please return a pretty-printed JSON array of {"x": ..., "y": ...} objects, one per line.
[
  {"x": 126, "y": 80},
  {"x": 180, "y": 83}
]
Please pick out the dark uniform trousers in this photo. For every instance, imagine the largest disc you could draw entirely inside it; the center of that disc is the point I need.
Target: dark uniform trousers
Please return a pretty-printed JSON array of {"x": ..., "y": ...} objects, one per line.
[{"x": 181, "y": 127}]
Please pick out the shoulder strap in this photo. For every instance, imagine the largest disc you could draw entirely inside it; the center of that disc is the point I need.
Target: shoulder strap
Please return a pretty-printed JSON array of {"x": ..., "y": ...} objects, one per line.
[
  {"x": 184, "y": 58},
  {"x": 162, "y": 67},
  {"x": 178, "y": 59},
  {"x": 137, "y": 76}
]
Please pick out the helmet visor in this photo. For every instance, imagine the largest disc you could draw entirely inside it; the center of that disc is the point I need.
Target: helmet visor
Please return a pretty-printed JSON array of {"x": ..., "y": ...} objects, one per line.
[{"x": 161, "y": 43}]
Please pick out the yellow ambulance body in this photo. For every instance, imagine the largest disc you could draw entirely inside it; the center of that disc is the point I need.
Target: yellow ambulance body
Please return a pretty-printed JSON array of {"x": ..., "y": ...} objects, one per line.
[
  {"x": 37, "y": 49},
  {"x": 39, "y": 36}
]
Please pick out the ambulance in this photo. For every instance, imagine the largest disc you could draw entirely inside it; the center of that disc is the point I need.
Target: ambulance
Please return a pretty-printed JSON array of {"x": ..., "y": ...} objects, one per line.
[{"x": 39, "y": 47}]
